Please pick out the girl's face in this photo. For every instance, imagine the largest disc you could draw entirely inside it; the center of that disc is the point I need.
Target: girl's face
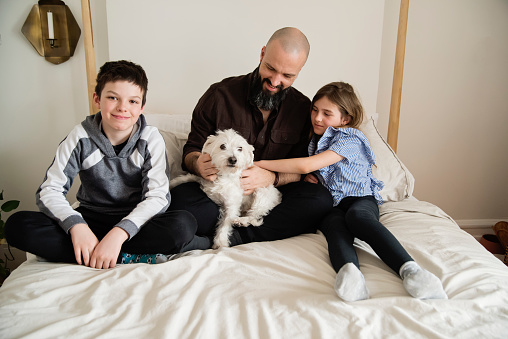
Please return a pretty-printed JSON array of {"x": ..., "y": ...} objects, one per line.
[{"x": 325, "y": 114}]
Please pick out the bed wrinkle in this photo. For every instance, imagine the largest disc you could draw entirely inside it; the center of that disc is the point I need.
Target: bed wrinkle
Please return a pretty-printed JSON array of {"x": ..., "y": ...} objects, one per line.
[{"x": 414, "y": 206}]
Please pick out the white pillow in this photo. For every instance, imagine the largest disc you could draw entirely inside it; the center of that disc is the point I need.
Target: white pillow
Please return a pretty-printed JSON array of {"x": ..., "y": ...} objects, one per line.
[
  {"x": 169, "y": 122},
  {"x": 174, "y": 150},
  {"x": 399, "y": 182},
  {"x": 175, "y": 130}
]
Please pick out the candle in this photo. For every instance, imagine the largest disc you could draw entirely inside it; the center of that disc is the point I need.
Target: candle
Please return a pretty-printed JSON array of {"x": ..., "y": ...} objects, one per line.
[{"x": 51, "y": 32}]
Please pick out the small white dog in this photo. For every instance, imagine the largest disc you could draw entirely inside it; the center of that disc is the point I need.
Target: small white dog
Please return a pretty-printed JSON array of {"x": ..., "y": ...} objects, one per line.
[{"x": 231, "y": 154}]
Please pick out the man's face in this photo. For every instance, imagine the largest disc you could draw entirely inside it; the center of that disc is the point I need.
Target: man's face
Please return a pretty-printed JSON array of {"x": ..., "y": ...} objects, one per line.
[
  {"x": 278, "y": 69},
  {"x": 277, "y": 72}
]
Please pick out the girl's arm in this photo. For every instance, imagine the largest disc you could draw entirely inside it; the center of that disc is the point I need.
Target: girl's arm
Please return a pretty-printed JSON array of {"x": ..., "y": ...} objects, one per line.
[{"x": 301, "y": 165}]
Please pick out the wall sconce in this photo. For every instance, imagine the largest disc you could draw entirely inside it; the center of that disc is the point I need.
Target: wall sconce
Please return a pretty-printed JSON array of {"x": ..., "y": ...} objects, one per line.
[{"x": 52, "y": 30}]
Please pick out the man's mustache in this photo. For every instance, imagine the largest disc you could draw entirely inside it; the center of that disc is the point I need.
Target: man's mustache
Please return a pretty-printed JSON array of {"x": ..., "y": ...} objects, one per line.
[{"x": 270, "y": 83}]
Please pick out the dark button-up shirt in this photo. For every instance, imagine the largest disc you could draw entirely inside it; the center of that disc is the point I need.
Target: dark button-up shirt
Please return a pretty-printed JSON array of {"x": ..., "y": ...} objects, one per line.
[{"x": 226, "y": 105}]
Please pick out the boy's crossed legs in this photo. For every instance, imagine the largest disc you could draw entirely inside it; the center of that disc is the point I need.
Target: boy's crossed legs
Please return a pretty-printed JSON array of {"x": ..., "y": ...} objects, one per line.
[{"x": 166, "y": 233}]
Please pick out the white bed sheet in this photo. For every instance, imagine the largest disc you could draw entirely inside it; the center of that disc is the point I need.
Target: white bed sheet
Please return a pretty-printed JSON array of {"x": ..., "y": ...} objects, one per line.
[{"x": 280, "y": 289}]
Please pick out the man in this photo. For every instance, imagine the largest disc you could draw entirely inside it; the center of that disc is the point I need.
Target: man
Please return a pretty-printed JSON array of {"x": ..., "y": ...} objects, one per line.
[{"x": 275, "y": 118}]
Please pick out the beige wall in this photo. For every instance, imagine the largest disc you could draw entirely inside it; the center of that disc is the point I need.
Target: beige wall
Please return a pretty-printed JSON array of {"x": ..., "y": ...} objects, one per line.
[
  {"x": 184, "y": 48},
  {"x": 41, "y": 102},
  {"x": 454, "y": 111},
  {"x": 454, "y": 65}
]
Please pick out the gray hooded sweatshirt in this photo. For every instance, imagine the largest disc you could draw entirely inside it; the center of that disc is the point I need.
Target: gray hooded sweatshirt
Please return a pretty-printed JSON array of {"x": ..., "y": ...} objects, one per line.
[{"x": 134, "y": 183}]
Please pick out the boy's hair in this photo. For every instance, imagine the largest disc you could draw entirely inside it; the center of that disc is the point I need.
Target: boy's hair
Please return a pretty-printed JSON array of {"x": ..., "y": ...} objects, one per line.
[
  {"x": 122, "y": 70},
  {"x": 343, "y": 95}
]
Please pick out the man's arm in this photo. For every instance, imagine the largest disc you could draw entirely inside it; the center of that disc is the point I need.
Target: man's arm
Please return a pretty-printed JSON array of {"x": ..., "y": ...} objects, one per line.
[{"x": 287, "y": 178}]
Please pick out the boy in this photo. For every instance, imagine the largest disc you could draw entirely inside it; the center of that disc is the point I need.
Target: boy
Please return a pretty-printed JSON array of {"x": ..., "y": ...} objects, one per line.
[{"x": 124, "y": 192}]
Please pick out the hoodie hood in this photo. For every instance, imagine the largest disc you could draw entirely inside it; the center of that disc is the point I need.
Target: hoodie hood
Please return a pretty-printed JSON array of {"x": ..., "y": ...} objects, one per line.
[{"x": 93, "y": 126}]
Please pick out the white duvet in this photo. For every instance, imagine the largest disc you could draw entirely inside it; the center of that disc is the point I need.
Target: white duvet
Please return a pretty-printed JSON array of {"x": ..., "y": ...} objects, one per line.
[{"x": 280, "y": 289}]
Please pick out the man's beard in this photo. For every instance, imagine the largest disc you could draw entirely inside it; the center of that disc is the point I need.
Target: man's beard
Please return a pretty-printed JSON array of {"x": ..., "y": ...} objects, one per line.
[{"x": 265, "y": 100}]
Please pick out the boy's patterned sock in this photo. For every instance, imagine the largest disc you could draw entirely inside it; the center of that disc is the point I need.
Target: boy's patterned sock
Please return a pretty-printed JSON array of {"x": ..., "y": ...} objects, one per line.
[
  {"x": 158, "y": 258},
  {"x": 139, "y": 258}
]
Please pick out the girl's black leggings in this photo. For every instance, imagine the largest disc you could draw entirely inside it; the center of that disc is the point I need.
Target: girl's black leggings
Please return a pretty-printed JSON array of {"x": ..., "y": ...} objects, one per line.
[{"x": 358, "y": 217}]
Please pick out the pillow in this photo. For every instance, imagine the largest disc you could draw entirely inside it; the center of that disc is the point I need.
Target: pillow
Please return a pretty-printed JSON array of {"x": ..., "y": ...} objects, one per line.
[
  {"x": 174, "y": 130},
  {"x": 169, "y": 122},
  {"x": 174, "y": 150},
  {"x": 399, "y": 182}
]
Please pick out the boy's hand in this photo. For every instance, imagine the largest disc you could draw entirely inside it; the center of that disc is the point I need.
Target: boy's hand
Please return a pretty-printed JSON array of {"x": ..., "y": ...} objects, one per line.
[
  {"x": 84, "y": 242},
  {"x": 107, "y": 251}
]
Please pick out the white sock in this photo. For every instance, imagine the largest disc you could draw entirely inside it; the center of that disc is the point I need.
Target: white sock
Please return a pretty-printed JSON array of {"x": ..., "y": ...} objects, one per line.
[
  {"x": 420, "y": 283},
  {"x": 350, "y": 283}
]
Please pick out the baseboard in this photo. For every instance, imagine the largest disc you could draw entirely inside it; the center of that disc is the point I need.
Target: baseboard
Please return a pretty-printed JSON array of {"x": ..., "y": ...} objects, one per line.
[{"x": 477, "y": 227}]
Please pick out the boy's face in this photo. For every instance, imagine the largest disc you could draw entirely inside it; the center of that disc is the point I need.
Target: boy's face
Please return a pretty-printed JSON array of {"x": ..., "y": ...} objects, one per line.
[{"x": 120, "y": 105}]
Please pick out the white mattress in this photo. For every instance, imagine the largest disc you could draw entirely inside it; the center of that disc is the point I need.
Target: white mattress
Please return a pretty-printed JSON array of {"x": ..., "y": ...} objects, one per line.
[{"x": 280, "y": 289}]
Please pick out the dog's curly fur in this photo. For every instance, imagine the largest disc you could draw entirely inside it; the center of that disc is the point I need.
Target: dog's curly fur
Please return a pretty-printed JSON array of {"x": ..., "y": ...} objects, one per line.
[{"x": 231, "y": 154}]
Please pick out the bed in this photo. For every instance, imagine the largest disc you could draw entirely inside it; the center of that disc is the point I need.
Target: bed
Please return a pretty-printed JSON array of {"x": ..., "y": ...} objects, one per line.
[{"x": 279, "y": 289}]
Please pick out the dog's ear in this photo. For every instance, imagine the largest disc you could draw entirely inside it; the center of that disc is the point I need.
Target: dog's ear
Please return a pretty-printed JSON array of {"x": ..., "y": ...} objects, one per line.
[
  {"x": 250, "y": 154},
  {"x": 208, "y": 144}
]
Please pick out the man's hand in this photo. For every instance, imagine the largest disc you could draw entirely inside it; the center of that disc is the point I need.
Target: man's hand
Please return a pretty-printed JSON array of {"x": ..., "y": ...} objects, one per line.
[
  {"x": 201, "y": 164},
  {"x": 255, "y": 177},
  {"x": 107, "y": 251},
  {"x": 84, "y": 242}
]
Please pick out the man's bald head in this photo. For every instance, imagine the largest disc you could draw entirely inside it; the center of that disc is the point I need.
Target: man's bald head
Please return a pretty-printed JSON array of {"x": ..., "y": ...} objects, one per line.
[{"x": 292, "y": 40}]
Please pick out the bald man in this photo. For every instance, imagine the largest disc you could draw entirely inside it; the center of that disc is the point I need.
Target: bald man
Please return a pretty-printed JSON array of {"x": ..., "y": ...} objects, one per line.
[{"x": 274, "y": 117}]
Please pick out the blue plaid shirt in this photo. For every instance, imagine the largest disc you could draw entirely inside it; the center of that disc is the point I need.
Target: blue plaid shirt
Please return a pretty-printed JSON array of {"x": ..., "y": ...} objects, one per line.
[{"x": 352, "y": 176}]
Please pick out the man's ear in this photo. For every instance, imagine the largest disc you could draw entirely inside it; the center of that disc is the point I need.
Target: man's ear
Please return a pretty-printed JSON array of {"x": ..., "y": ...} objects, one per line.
[
  {"x": 96, "y": 100},
  {"x": 263, "y": 51}
]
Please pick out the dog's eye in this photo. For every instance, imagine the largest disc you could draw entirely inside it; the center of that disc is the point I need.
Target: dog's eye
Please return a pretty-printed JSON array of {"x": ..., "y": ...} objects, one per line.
[
  {"x": 223, "y": 147},
  {"x": 239, "y": 149}
]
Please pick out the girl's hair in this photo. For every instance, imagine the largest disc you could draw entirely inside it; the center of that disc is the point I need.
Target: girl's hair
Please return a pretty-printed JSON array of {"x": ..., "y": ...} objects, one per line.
[
  {"x": 122, "y": 70},
  {"x": 343, "y": 95}
]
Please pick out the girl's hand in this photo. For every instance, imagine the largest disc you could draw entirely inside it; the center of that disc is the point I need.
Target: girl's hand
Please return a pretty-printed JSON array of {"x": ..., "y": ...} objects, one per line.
[
  {"x": 107, "y": 251},
  {"x": 84, "y": 242},
  {"x": 311, "y": 178}
]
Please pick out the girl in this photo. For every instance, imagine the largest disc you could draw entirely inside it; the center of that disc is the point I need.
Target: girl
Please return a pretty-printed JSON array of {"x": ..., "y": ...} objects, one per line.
[{"x": 341, "y": 157}]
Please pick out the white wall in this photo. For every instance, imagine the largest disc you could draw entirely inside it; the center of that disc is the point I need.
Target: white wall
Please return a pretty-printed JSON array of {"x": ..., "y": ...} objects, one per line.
[
  {"x": 41, "y": 102},
  {"x": 453, "y": 81},
  {"x": 454, "y": 112},
  {"x": 186, "y": 46}
]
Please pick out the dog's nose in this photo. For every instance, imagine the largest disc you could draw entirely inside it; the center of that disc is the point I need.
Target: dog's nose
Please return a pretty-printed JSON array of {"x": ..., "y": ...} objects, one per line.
[{"x": 232, "y": 160}]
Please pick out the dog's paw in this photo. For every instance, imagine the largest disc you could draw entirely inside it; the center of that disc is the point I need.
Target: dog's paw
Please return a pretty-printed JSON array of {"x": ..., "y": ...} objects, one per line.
[
  {"x": 219, "y": 242},
  {"x": 242, "y": 221},
  {"x": 248, "y": 221},
  {"x": 256, "y": 221}
]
